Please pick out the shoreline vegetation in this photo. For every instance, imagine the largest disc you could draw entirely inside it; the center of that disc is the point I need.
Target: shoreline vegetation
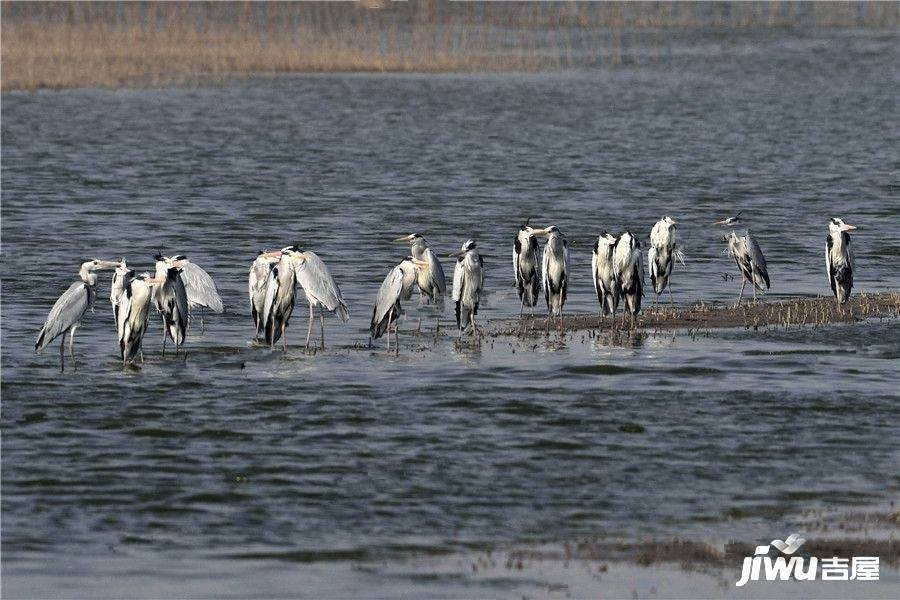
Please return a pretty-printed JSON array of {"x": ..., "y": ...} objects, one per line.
[{"x": 59, "y": 45}]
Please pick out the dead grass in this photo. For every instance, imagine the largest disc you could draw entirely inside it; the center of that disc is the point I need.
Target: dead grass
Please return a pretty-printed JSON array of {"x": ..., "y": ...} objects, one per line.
[{"x": 62, "y": 45}]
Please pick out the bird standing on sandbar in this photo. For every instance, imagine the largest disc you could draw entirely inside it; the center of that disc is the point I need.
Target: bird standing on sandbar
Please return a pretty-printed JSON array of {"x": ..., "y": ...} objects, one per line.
[
  {"x": 468, "y": 281},
  {"x": 839, "y": 260},
  {"x": 661, "y": 256},
  {"x": 749, "y": 258},
  {"x": 527, "y": 267},
  {"x": 603, "y": 273}
]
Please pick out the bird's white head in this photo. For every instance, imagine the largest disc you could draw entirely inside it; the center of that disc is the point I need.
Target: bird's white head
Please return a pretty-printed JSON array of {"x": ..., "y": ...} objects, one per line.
[
  {"x": 412, "y": 238},
  {"x": 669, "y": 220},
  {"x": 837, "y": 225},
  {"x": 466, "y": 248},
  {"x": 607, "y": 239},
  {"x": 89, "y": 267}
]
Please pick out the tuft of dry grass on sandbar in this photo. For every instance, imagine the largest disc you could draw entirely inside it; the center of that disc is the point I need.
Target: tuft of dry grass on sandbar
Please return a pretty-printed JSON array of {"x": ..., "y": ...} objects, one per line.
[{"x": 113, "y": 44}]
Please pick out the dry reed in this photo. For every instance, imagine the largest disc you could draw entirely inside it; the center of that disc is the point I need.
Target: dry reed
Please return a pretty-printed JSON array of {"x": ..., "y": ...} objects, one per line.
[{"x": 112, "y": 44}]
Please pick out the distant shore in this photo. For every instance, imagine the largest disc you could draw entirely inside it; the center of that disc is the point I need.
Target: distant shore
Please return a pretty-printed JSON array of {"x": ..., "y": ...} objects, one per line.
[{"x": 52, "y": 45}]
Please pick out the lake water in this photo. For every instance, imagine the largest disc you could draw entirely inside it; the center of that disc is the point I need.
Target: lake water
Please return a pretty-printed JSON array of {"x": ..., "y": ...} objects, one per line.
[{"x": 247, "y": 472}]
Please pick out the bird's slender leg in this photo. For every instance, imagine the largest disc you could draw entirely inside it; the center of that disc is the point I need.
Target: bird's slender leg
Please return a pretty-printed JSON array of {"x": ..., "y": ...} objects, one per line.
[
  {"x": 309, "y": 329},
  {"x": 284, "y": 337},
  {"x": 741, "y": 295},
  {"x": 390, "y": 318},
  {"x": 671, "y": 300},
  {"x": 164, "y": 337},
  {"x": 72, "y": 343},
  {"x": 62, "y": 354},
  {"x": 322, "y": 323},
  {"x": 754, "y": 293},
  {"x": 142, "y": 355}
]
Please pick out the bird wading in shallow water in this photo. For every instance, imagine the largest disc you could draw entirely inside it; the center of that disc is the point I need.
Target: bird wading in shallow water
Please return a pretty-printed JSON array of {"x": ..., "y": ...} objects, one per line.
[
  {"x": 749, "y": 258},
  {"x": 527, "y": 267},
  {"x": 68, "y": 311},
  {"x": 133, "y": 315},
  {"x": 603, "y": 273},
  {"x": 839, "y": 260},
  {"x": 430, "y": 276},
  {"x": 397, "y": 286},
  {"x": 200, "y": 288},
  {"x": 257, "y": 283},
  {"x": 171, "y": 302},
  {"x": 468, "y": 281},
  {"x": 303, "y": 267}
]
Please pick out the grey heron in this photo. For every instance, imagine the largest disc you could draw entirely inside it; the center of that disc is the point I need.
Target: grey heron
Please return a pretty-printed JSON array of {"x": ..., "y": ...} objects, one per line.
[
  {"x": 555, "y": 268},
  {"x": 256, "y": 288},
  {"x": 629, "y": 271},
  {"x": 526, "y": 267},
  {"x": 201, "y": 290},
  {"x": 171, "y": 302},
  {"x": 839, "y": 260},
  {"x": 603, "y": 274},
  {"x": 736, "y": 219},
  {"x": 68, "y": 311},
  {"x": 321, "y": 289},
  {"x": 133, "y": 315},
  {"x": 303, "y": 267},
  {"x": 121, "y": 277},
  {"x": 661, "y": 255},
  {"x": 749, "y": 259},
  {"x": 468, "y": 281},
  {"x": 430, "y": 278},
  {"x": 397, "y": 286}
]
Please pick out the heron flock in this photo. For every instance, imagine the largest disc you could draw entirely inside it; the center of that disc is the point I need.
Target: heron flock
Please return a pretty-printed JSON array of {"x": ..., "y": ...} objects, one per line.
[{"x": 179, "y": 288}]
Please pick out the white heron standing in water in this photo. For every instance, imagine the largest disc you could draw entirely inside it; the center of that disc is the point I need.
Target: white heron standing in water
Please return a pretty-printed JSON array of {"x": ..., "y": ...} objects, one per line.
[
  {"x": 749, "y": 258},
  {"x": 68, "y": 311},
  {"x": 661, "y": 256},
  {"x": 527, "y": 267},
  {"x": 603, "y": 273},
  {"x": 555, "y": 269},
  {"x": 468, "y": 281},
  {"x": 133, "y": 315},
  {"x": 121, "y": 277},
  {"x": 257, "y": 283},
  {"x": 397, "y": 285},
  {"x": 201, "y": 290},
  {"x": 304, "y": 267},
  {"x": 839, "y": 260},
  {"x": 171, "y": 302},
  {"x": 629, "y": 271},
  {"x": 430, "y": 278}
]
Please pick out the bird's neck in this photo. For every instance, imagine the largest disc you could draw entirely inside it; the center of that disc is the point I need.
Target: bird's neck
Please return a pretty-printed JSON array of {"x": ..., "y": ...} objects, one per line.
[{"x": 88, "y": 277}]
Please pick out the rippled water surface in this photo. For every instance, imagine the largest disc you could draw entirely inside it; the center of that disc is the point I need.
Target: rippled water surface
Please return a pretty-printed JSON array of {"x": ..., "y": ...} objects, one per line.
[{"x": 239, "y": 461}]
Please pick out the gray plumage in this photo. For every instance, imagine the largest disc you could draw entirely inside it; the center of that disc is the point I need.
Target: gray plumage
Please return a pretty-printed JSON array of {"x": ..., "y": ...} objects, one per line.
[
  {"x": 430, "y": 279},
  {"x": 133, "y": 317},
  {"x": 750, "y": 261},
  {"x": 172, "y": 303},
  {"x": 397, "y": 285},
  {"x": 661, "y": 254},
  {"x": 555, "y": 268},
  {"x": 319, "y": 286},
  {"x": 256, "y": 289},
  {"x": 526, "y": 267},
  {"x": 629, "y": 271},
  {"x": 839, "y": 263},
  {"x": 603, "y": 274},
  {"x": 199, "y": 285},
  {"x": 468, "y": 280},
  {"x": 279, "y": 301}
]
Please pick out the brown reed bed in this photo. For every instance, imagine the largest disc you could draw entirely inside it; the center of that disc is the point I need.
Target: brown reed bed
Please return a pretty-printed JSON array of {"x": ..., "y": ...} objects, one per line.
[
  {"x": 113, "y": 44},
  {"x": 702, "y": 317}
]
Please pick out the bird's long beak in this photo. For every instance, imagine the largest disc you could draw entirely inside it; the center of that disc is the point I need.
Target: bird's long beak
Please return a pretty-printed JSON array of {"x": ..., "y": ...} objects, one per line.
[
  {"x": 722, "y": 222},
  {"x": 273, "y": 254},
  {"x": 405, "y": 238},
  {"x": 847, "y": 227},
  {"x": 543, "y": 232},
  {"x": 457, "y": 254},
  {"x": 153, "y": 281},
  {"x": 420, "y": 263},
  {"x": 108, "y": 264},
  {"x": 671, "y": 220}
]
